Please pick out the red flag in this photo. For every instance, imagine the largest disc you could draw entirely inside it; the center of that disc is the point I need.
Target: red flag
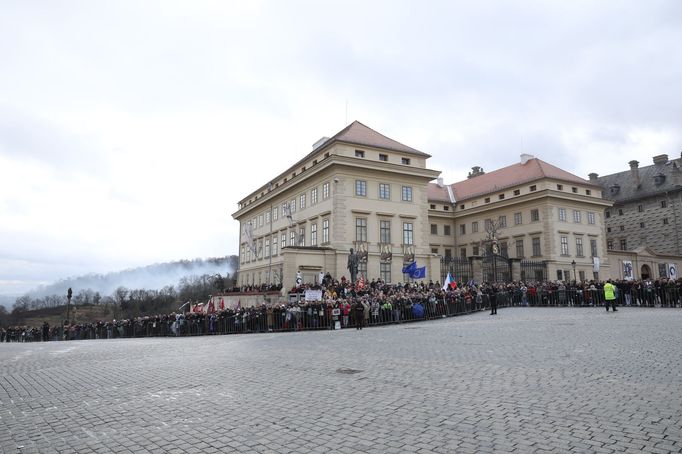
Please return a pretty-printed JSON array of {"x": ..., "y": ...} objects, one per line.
[{"x": 222, "y": 304}]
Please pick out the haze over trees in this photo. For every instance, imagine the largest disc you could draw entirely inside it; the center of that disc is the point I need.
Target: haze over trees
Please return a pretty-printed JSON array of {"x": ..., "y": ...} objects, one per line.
[{"x": 144, "y": 290}]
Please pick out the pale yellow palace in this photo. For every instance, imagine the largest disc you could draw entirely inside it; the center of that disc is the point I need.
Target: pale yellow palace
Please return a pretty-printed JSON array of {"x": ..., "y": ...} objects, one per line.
[{"x": 360, "y": 189}]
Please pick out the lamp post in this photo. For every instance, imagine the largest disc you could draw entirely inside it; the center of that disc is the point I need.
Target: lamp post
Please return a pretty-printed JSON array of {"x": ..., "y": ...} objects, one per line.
[
  {"x": 575, "y": 277},
  {"x": 69, "y": 293},
  {"x": 272, "y": 219}
]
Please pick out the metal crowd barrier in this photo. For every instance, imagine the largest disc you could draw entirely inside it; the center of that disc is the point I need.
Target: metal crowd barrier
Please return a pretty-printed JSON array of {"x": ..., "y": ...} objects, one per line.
[{"x": 322, "y": 317}]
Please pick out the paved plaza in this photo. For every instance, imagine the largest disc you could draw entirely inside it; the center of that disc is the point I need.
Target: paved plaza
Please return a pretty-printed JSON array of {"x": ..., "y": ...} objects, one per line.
[{"x": 526, "y": 380}]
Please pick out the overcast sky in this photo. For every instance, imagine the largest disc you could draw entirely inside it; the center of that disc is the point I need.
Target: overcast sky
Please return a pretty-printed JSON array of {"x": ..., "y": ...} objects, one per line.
[{"x": 129, "y": 130}]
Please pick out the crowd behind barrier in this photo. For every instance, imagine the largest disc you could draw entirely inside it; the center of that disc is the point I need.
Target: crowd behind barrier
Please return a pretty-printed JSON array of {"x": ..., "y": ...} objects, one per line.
[{"x": 343, "y": 307}]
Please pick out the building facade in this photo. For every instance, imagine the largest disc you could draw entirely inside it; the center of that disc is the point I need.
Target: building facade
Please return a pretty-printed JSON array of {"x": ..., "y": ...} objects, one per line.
[
  {"x": 360, "y": 189},
  {"x": 531, "y": 211},
  {"x": 645, "y": 216},
  {"x": 357, "y": 189}
]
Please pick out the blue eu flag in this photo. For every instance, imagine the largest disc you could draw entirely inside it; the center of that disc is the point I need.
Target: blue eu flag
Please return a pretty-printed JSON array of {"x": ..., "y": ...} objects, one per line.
[
  {"x": 409, "y": 269},
  {"x": 418, "y": 273}
]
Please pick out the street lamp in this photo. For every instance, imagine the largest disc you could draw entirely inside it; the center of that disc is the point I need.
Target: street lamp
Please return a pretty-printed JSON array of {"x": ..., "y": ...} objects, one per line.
[
  {"x": 272, "y": 219},
  {"x": 575, "y": 277},
  {"x": 69, "y": 293}
]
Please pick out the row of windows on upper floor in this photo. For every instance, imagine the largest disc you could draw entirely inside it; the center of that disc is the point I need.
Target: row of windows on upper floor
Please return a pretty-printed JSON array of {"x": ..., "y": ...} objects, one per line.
[
  {"x": 383, "y": 191},
  {"x": 623, "y": 244},
  {"x": 640, "y": 209},
  {"x": 358, "y": 154},
  {"x": 642, "y": 225},
  {"x": 250, "y": 252},
  {"x": 382, "y": 157},
  {"x": 518, "y": 220},
  {"x": 517, "y": 192},
  {"x": 261, "y": 247},
  {"x": 282, "y": 181},
  {"x": 300, "y": 203},
  {"x": 287, "y": 209},
  {"x": 520, "y": 248}
]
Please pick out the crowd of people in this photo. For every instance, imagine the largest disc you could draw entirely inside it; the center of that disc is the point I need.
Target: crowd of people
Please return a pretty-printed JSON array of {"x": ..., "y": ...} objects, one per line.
[{"x": 343, "y": 305}]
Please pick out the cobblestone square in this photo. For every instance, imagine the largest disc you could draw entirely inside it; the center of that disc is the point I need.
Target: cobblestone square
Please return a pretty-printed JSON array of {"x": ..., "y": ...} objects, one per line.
[{"x": 526, "y": 380}]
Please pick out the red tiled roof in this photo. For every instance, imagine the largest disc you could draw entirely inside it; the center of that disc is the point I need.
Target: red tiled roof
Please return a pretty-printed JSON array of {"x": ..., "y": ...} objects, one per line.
[
  {"x": 436, "y": 193},
  {"x": 360, "y": 134},
  {"x": 497, "y": 180}
]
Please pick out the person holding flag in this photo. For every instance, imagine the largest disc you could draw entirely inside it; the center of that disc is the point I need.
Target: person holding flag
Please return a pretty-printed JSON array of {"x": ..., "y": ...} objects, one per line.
[{"x": 449, "y": 283}]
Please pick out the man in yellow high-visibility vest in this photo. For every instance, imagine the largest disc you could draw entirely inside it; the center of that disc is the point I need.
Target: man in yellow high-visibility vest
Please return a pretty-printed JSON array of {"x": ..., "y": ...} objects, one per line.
[{"x": 610, "y": 296}]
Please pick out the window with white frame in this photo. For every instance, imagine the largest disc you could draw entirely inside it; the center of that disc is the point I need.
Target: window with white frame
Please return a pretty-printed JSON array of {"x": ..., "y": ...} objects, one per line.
[
  {"x": 292, "y": 206},
  {"x": 384, "y": 191},
  {"x": 284, "y": 240},
  {"x": 407, "y": 193},
  {"x": 578, "y": 247},
  {"x": 385, "y": 272},
  {"x": 536, "y": 247},
  {"x": 301, "y": 236},
  {"x": 275, "y": 213},
  {"x": 408, "y": 233},
  {"x": 313, "y": 234},
  {"x": 274, "y": 245},
  {"x": 534, "y": 215},
  {"x": 325, "y": 231},
  {"x": 267, "y": 247},
  {"x": 518, "y": 220},
  {"x": 385, "y": 232},
  {"x": 267, "y": 217},
  {"x": 577, "y": 216},
  {"x": 562, "y": 214},
  {"x": 519, "y": 249},
  {"x": 360, "y": 188},
  {"x": 564, "y": 245},
  {"x": 325, "y": 190},
  {"x": 313, "y": 196},
  {"x": 360, "y": 229},
  {"x": 292, "y": 238},
  {"x": 301, "y": 201},
  {"x": 590, "y": 217}
]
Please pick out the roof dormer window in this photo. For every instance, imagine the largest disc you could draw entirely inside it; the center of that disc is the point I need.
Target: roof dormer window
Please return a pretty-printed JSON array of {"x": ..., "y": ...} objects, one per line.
[{"x": 659, "y": 179}]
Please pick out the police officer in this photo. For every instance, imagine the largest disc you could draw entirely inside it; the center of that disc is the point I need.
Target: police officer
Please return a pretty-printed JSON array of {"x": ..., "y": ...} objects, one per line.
[{"x": 610, "y": 296}]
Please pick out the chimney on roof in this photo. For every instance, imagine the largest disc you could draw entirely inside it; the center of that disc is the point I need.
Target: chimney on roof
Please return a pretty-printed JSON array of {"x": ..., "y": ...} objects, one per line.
[
  {"x": 317, "y": 144},
  {"x": 593, "y": 176},
  {"x": 526, "y": 157},
  {"x": 440, "y": 182},
  {"x": 634, "y": 171},
  {"x": 660, "y": 159}
]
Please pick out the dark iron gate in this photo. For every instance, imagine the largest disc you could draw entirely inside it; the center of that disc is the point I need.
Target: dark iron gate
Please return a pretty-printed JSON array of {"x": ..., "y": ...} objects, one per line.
[
  {"x": 458, "y": 267},
  {"x": 496, "y": 268}
]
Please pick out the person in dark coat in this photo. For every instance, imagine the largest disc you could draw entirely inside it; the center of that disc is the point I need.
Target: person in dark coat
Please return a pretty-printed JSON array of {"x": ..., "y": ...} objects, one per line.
[
  {"x": 358, "y": 314},
  {"x": 492, "y": 295}
]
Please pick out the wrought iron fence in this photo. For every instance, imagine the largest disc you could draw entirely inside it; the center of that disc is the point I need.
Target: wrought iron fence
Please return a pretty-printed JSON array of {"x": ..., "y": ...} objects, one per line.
[
  {"x": 458, "y": 267},
  {"x": 533, "y": 270}
]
